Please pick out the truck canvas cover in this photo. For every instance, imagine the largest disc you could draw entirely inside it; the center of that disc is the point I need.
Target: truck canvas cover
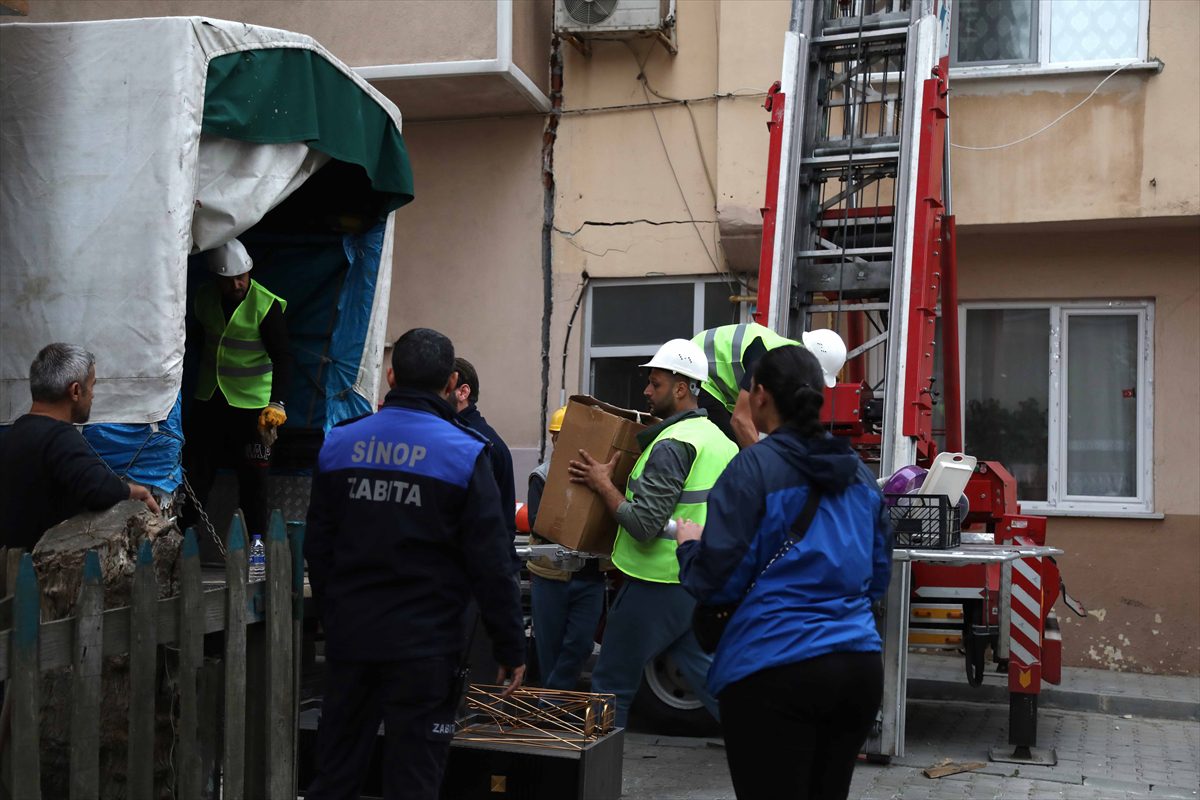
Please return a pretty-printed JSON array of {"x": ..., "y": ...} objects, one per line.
[{"x": 130, "y": 145}]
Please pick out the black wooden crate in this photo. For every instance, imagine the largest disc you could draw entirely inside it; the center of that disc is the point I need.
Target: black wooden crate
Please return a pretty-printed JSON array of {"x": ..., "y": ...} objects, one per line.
[
  {"x": 500, "y": 771},
  {"x": 514, "y": 771}
]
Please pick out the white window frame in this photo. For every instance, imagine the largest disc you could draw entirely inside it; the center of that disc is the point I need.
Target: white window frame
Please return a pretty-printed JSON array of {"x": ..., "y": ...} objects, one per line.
[
  {"x": 622, "y": 351},
  {"x": 1058, "y": 502},
  {"x": 1043, "y": 64}
]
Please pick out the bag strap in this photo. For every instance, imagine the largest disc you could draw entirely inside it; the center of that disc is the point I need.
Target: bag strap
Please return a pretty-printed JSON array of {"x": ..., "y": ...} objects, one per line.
[
  {"x": 799, "y": 528},
  {"x": 796, "y": 533}
]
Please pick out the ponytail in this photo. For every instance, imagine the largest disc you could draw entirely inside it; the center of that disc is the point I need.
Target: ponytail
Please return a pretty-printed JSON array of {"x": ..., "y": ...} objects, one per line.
[{"x": 793, "y": 377}]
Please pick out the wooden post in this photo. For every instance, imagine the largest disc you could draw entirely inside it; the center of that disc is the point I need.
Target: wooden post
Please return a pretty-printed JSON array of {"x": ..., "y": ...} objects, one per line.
[
  {"x": 233, "y": 768},
  {"x": 12, "y": 564},
  {"x": 281, "y": 717},
  {"x": 25, "y": 684},
  {"x": 143, "y": 658},
  {"x": 296, "y": 542},
  {"x": 85, "y": 683},
  {"x": 191, "y": 657}
]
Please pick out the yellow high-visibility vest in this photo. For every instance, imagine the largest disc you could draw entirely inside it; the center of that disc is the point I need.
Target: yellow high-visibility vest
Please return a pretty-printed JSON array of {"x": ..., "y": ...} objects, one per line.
[
  {"x": 655, "y": 560},
  {"x": 234, "y": 357},
  {"x": 724, "y": 348}
]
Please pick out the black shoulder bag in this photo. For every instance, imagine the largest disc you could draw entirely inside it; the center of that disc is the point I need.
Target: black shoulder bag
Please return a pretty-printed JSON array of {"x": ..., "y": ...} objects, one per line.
[{"x": 708, "y": 622}]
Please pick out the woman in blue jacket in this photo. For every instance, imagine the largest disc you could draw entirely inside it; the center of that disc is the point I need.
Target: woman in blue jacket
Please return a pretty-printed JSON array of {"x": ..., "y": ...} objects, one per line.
[{"x": 798, "y": 672}]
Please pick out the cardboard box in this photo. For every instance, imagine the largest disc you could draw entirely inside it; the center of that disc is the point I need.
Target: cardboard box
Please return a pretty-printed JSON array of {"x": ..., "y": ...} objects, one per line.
[{"x": 571, "y": 514}]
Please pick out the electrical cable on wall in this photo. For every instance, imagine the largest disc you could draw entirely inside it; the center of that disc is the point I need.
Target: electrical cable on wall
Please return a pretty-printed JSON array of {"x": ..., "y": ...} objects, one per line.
[
  {"x": 646, "y": 91},
  {"x": 1048, "y": 126}
]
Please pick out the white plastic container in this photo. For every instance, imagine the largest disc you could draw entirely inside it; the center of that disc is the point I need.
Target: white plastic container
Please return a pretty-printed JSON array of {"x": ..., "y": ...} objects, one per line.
[{"x": 949, "y": 475}]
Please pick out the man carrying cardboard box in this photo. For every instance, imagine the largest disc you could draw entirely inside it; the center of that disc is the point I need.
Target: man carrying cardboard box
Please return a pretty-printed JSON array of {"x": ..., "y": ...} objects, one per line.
[{"x": 681, "y": 459}]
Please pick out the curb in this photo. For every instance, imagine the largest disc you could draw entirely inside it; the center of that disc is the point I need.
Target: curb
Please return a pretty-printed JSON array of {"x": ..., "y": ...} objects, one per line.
[{"x": 1057, "y": 698}]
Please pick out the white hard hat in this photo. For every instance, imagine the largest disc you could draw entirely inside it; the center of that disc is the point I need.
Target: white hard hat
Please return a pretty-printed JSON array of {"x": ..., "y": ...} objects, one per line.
[
  {"x": 683, "y": 357},
  {"x": 829, "y": 349},
  {"x": 229, "y": 259}
]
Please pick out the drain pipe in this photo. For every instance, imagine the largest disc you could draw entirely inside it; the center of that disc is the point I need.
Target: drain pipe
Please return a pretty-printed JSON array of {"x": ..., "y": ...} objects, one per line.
[{"x": 548, "y": 138}]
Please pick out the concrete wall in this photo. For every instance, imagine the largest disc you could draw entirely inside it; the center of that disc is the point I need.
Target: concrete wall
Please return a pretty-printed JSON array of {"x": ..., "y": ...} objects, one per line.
[
  {"x": 1138, "y": 577},
  {"x": 1133, "y": 150},
  {"x": 533, "y": 27},
  {"x": 359, "y": 32},
  {"x": 467, "y": 261},
  {"x": 642, "y": 191}
]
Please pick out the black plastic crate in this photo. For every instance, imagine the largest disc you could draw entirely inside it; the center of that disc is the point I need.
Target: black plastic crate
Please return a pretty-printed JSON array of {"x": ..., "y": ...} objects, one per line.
[{"x": 927, "y": 521}]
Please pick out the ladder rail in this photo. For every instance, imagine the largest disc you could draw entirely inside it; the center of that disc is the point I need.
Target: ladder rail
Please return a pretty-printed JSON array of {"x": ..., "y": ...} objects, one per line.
[{"x": 843, "y": 244}]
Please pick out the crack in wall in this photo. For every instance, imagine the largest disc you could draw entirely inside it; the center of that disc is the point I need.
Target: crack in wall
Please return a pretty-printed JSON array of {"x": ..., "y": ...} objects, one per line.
[{"x": 642, "y": 221}]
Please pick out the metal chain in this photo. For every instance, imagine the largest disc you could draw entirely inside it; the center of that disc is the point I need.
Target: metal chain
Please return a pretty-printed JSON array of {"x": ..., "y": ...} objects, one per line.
[{"x": 204, "y": 520}]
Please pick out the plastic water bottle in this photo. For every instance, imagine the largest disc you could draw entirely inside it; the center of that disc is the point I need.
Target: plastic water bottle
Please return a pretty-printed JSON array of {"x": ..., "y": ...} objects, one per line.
[{"x": 258, "y": 560}]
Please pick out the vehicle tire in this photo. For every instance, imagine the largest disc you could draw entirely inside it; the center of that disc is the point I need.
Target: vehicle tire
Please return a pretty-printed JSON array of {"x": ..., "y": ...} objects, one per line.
[{"x": 665, "y": 703}]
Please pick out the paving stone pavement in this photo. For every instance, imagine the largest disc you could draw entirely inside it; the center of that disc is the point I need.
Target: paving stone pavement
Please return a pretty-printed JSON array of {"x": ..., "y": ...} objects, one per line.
[{"x": 1100, "y": 757}]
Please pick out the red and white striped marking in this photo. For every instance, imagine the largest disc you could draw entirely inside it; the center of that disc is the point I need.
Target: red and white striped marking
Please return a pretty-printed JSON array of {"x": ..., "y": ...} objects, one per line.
[{"x": 1025, "y": 632}]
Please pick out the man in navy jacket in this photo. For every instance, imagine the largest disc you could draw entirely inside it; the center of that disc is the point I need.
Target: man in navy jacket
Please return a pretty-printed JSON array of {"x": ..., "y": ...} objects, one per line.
[{"x": 405, "y": 523}]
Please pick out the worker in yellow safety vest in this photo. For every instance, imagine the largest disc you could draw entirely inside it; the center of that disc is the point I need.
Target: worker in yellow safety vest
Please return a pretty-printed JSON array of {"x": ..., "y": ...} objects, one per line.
[
  {"x": 681, "y": 459},
  {"x": 243, "y": 375},
  {"x": 731, "y": 352}
]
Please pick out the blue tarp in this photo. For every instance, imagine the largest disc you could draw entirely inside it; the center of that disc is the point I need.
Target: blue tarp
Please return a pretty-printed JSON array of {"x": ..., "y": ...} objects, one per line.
[
  {"x": 147, "y": 454},
  {"x": 329, "y": 285}
]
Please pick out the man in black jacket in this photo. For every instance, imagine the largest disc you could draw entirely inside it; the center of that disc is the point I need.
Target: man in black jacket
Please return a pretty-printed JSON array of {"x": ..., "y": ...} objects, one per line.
[
  {"x": 465, "y": 401},
  {"x": 405, "y": 523},
  {"x": 48, "y": 471}
]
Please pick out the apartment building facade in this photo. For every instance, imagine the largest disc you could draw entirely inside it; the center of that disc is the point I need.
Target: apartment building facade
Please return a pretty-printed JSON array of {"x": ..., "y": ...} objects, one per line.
[{"x": 557, "y": 256}]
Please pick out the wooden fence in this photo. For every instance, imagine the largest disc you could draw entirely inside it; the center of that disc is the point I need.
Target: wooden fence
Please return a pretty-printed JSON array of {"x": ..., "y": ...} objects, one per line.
[{"x": 262, "y": 625}]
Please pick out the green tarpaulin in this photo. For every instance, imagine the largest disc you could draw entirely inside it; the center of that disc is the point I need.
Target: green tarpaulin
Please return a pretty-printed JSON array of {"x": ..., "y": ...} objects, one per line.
[{"x": 279, "y": 95}]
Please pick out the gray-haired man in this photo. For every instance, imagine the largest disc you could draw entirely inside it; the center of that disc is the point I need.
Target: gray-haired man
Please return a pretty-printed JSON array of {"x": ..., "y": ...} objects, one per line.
[{"x": 48, "y": 472}]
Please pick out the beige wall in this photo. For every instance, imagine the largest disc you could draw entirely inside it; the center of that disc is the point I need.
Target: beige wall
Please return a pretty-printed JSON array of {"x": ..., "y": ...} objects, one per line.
[
  {"x": 1147, "y": 260},
  {"x": 468, "y": 259},
  {"x": 359, "y": 32},
  {"x": 1133, "y": 150},
  {"x": 612, "y": 166},
  {"x": 1138, "y": 577},
  {"x": 533, "y": 27},
  {"x": 749, "y": 59}
]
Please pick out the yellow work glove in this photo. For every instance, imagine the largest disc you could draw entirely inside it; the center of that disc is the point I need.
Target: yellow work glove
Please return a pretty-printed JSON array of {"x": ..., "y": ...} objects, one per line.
[
  {"x": 269, "y": 421},
  {"x": 272, "y": 416}
]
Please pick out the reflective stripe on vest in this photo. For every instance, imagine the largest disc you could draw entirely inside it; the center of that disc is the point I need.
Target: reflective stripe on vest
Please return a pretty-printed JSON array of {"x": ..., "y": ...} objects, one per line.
[
  {"x": 655, "y": 560},
  {"x": 724, "y": 348},
  {"x": 235, "y": 359}
]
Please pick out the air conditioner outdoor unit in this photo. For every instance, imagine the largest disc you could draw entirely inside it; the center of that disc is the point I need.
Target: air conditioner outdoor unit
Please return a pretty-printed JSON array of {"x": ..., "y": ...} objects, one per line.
[{"x": 580, "y": 21}]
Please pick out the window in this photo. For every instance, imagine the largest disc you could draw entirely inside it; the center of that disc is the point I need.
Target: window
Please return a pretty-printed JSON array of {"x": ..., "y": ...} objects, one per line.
[
  {"x": 1059, "y": 394},
  {"x": 1048, "y": 32},
  {"x": 627, "y": 321}
]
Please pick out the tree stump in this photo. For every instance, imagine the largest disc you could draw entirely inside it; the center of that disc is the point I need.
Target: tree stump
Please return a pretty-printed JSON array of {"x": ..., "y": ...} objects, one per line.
[{"x": 116, "y": 535}]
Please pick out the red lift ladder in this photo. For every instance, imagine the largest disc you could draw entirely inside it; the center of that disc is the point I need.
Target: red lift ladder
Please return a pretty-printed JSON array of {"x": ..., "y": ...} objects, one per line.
[{"x": 858, "y": 236}]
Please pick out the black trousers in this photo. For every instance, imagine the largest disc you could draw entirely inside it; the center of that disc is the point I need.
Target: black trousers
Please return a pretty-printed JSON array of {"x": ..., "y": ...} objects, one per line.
[
  {"x": 793, "y": 732},
  {"x": 219, "y": 435},
  {"x": 415, "y": 701}
]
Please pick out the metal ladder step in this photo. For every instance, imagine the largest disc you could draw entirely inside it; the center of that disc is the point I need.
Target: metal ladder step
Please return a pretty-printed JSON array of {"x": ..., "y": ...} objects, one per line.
[
  {"x": 855, "y": 35},
  {"x": 870, "y": 22}
]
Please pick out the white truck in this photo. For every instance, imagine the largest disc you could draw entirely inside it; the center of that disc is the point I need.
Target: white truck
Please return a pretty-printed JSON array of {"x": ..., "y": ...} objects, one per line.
[{"x": 129, "y": 147}]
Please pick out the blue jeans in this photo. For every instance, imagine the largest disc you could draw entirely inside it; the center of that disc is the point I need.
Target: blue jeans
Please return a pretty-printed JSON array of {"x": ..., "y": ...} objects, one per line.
[
  {"x": 565, "y": 616},
  {"x": 647, "y": 619}
]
